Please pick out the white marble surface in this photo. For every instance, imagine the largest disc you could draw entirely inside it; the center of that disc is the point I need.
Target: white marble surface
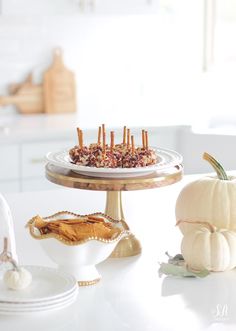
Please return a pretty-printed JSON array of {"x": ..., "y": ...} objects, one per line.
[
  {"x": 130, "y": 296},
  {"x": 20, "y": 128},
  {"x": 17, "y": 128}
]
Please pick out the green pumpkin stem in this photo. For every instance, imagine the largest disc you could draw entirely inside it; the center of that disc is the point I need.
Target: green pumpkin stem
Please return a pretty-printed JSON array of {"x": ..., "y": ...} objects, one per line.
[{"x": 217, "y": 166}]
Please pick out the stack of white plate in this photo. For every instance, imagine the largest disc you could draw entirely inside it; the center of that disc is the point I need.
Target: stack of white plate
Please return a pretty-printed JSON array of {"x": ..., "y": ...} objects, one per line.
[{"x": 50, "y": 290}]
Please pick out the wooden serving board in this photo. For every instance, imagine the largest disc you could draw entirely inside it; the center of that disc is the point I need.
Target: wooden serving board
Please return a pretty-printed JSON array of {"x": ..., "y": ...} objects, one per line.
[
  {"x": 59, "y": 87},
  {"x": 27, "y": 97}
]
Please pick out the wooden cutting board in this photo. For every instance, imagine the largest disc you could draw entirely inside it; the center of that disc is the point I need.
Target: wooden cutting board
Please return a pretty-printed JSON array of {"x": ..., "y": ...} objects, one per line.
[
  {"x": 27, "y": 97},
  {"x": 59, "y": 91}
]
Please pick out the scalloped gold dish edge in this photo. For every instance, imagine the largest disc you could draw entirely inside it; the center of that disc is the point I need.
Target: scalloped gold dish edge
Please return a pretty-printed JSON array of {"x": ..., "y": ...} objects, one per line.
[
  {"x": 30, "y": 225},
  {"x": 88, "y": 282}
]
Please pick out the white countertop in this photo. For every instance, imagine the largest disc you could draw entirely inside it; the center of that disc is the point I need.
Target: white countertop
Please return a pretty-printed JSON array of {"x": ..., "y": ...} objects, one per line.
[
  {"x": 130, "y": 296},
  {"x": 21, "y": 128}
]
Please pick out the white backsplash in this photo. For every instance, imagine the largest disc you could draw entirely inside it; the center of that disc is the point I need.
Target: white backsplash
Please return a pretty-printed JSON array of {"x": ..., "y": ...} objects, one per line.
[{"x": 127, "y": 67}]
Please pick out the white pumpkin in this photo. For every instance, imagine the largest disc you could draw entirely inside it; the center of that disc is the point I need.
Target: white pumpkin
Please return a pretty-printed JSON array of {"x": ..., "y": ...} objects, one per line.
[
  {"x": 209, "y": 248},
  {"x": 211, "y": 199},
  {"x": 17, "y": 279}
]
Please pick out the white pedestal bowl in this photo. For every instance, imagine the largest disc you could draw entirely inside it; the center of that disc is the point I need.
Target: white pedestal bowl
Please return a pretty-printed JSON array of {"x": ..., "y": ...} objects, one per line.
[{"x": 78, "y": 258}]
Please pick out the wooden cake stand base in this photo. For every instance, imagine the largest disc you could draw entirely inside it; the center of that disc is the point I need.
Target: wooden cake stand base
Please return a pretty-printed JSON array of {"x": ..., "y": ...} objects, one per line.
[{"x": 130, "y": 245}]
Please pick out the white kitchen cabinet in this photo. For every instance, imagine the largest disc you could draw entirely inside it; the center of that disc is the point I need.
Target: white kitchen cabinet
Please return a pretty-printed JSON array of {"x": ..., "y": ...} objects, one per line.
[
  {"x": 22, "y": 165},
  {"x": 33, "y": 156},
  {"x": 38, "y": 7},
  {"x": 9, "y": 161},
  {"x": 8, "y": 186},
  {"x": 25, "y": 143},
  {"x": 37, "y": 184},
  {"x": 192, "y": 145},
  {"x": 125, "y": 6},
  {"x": 72, "y": 7}
]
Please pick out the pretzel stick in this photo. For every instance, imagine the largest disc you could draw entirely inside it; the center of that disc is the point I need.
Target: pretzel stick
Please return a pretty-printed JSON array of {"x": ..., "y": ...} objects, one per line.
[
  {"x": 103, "y": 139},
  {"x": 132, "y": 143},
  {"x": 81, "y": 139},
  {"x": 146, "y": 139},
  {"x": 128, "y": 138},
  {"x": 78, "y": 134},
  {"x": 124, "y": 135},
  {"x": 143, "y": 139},
  {"x": 99, "y": 135},
  {"x": 112, "y": 140},
  {"x": 103, "y": 130}
]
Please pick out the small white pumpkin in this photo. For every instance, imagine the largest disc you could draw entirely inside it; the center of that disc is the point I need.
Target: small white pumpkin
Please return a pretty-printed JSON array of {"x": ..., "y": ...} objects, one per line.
[
  {"x": 211, "y": 199},
  {"x": 209, "y": 248},
  {"x": 17, "y": 279}
]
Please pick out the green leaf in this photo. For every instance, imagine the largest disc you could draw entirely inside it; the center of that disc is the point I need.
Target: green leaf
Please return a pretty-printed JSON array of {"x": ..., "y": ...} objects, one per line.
[
  {"x": 177, "y": 259},
  {"x": 201, "y": 273},
  {"x": 180, "y": 271}
]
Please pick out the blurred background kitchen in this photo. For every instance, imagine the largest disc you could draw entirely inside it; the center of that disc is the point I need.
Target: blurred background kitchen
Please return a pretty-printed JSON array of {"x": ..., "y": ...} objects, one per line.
[{"x": 169, "y": 66}]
